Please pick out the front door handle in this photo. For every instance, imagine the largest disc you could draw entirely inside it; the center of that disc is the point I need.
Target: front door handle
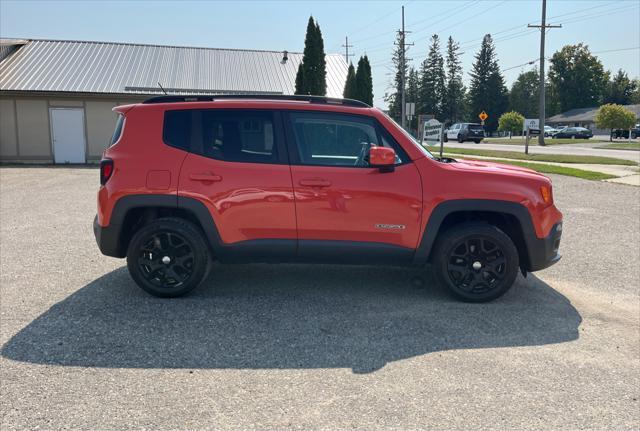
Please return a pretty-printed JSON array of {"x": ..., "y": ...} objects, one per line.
[
  {"x": 315, "y": 182},
  {"x": 205, "y": 177}
]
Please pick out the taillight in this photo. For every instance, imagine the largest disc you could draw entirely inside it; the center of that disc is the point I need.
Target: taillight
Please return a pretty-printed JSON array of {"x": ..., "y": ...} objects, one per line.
[{"x": 106, "y": 170}]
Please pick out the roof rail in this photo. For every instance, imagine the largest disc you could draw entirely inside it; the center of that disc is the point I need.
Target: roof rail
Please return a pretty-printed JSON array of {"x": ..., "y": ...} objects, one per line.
[{"x": 301, "y": 98}]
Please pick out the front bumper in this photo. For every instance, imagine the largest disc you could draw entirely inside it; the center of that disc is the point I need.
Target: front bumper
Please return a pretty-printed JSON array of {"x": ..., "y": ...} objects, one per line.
[
  {"x": 543, "y": 252},
  {"x": 107, "y": 238}
]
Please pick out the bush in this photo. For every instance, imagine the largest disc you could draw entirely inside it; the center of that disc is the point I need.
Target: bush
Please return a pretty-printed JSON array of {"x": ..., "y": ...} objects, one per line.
[{"x": 511, "y": 122}]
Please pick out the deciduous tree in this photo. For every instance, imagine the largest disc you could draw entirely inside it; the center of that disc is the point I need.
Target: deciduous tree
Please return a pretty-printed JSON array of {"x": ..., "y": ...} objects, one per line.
[
  {"x": 511, "y": 122},
  {"x": 612, "y": 116}
]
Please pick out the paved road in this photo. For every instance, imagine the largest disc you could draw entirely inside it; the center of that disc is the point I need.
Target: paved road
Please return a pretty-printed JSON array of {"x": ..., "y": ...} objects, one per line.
[
  {"x": 573, "y": 149},
  {"x": 320, "y": 347}
]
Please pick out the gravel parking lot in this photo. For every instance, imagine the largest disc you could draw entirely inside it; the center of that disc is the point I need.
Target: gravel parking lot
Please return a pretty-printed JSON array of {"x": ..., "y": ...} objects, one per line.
[{"x": 319, "y": 347}]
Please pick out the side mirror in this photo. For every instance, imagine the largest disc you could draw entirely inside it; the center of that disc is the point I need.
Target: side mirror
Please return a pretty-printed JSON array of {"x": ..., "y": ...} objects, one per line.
[{"x": 383, "y": 158}]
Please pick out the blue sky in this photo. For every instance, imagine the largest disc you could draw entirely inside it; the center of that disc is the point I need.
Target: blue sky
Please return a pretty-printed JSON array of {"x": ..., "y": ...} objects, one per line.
[{"x": 603, "y": 25}]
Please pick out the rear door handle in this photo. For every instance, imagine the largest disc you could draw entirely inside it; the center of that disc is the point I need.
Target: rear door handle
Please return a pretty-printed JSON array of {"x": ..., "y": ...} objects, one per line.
[
  {"x": 315, "y": 182},
  {"x": 205, "y": 177}
]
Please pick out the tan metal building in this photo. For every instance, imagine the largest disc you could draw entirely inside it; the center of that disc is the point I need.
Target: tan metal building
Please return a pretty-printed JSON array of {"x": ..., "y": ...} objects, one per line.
[{"x": 56, "y": 97}]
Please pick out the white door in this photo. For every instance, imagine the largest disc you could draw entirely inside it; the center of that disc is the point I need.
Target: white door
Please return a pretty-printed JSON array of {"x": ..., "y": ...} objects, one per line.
[{"x": 67, "y": 130}]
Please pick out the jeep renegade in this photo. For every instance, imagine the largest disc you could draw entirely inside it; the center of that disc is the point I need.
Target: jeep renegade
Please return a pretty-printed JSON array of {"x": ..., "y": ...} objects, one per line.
[{"x": 236, "y": 179}]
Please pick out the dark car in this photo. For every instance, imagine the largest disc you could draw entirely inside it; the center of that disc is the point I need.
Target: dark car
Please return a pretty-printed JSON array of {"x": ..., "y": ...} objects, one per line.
[
  {"x": 619, "y": 133},
  {"x": 574, "y": 133},
  {"x": 465, "y": 132}
]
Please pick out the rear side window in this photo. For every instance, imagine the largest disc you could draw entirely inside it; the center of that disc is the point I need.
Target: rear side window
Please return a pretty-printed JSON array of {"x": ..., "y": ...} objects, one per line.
[
  {"x": 475, "y": 127},
  {"x": 231, "y": 135},
  {"x": 118, "y": 131}
]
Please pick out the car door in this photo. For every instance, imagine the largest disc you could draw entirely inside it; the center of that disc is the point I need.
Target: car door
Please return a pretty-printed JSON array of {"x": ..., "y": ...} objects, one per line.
[
  {"x": 452, "y": 133},
  {"x": 344, "y": 204},
  {"x": 238, "y": 168}
]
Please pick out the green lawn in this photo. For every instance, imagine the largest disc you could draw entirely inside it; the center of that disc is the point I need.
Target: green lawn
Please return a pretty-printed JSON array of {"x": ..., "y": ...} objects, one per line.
[
  {"x": 558, "y": 158},
  {"x": 554, "y": 169},
  {"x": 622, "y": 146},
  {"x": 519, "y": 140}
]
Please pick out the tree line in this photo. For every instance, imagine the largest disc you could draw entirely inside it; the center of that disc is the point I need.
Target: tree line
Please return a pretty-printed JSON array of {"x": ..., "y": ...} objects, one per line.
[{"x": 576, "y": 79}]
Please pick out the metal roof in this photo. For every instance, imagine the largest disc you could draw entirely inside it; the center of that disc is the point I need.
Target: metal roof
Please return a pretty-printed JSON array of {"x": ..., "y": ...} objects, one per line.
[
  {"x": 124, "y": 68},
  {"x": 584, "y": 115}
]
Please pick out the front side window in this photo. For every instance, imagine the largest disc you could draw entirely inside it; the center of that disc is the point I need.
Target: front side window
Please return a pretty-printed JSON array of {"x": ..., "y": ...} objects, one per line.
[{"x": 337, "y": 139}]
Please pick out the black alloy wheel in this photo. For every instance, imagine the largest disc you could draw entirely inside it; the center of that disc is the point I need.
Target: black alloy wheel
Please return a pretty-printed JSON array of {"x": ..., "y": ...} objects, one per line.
[
  {"x": 168, "y": 257},
  {"x": 476, "y": 261}
]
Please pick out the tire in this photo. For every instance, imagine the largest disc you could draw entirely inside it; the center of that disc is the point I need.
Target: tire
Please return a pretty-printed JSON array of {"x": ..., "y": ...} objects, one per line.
[
  {"x": 456, "y": 256},
  {"x": 460, "y": 139},
  {"x": 445, "y": 138},
  {"x": 177, "y": 240},
  {"x": 477, "y": 141}
]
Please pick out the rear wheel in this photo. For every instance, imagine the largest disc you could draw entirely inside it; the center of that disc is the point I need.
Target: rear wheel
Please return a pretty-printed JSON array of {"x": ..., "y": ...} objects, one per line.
[
  {"x": 477, "y": 141},
  {"x": 168, "y": 257},
  {"x": 460, "y": 139},
  {"x": 476, "y": 261}
]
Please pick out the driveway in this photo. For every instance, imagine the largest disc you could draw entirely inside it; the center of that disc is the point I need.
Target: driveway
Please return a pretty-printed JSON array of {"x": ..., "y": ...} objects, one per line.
[
  {"x": 320, "y": 347},
  {"x": 586, "y": 149}
]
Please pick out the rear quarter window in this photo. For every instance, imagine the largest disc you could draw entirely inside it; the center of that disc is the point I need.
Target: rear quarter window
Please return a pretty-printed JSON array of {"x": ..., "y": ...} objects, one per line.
[
  {"x": 177, "y": 129},
  {"x": 118, "y": 131}
]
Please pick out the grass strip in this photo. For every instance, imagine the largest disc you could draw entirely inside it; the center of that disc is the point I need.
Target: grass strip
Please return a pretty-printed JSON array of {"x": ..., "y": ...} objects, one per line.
[
  {"x": 534, "y": 141},
  {"x": 557, "y": 158},
  {"x": 634, "y": 146},
  {"x": 553, "y": 169}
]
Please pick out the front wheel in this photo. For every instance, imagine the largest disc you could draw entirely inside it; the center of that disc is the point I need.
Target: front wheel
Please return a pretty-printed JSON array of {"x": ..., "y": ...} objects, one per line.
[
  {"x": 477, "y": 262},
  {"x": 168, "y": 257}
]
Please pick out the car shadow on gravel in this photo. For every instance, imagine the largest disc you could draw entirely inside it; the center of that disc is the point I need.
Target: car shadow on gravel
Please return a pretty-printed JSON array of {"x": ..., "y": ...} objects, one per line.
[{"x": 286, "y": 316}]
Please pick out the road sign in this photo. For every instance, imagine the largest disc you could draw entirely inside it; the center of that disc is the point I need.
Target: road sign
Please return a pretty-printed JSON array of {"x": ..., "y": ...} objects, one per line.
[
  {"x": 483, "y": 116},
  {"x": 432, "y": 132},
  {"x": 531, "y": 124}
]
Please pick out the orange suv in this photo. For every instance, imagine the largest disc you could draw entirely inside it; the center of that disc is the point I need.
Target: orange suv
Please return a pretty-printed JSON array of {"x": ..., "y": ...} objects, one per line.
[{"x": 191, "y": 179}]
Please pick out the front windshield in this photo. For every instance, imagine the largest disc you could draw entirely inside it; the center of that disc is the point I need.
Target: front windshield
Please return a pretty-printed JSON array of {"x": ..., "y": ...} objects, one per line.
[{"x": 411, "y": 138}]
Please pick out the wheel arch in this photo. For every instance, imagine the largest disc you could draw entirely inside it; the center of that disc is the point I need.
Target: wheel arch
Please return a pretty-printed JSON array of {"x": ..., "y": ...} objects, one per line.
[
  {"x": 132, "y": 212},
  {"x": 511, "y": 217}
]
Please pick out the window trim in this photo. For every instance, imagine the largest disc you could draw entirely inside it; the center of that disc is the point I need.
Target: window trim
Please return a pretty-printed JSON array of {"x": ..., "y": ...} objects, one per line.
[
  {"x": 196, "y": 130},
  {"x": 292, "y": 147}
]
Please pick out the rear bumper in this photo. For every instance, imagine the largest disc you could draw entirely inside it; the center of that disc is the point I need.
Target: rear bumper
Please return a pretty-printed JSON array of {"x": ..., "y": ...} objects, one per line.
[
  {"x": 107, "y": 238},
  {"x": 543, "y": 252}
]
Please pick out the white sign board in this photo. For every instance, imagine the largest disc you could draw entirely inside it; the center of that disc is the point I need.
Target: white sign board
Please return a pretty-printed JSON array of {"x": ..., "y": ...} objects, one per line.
[
  {"x": 432, "y": 132},
  {"x": 531, "y": 124}
]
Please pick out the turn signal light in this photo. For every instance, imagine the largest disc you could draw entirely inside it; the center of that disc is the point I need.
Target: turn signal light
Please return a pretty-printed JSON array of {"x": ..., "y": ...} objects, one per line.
[
  {"x": 106, "y": 170},
  {"x": 547, "y": 195}
]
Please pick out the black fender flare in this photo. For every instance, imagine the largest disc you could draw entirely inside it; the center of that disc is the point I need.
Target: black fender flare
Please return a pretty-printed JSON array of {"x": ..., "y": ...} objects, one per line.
[{"x": 442, "y": 210}]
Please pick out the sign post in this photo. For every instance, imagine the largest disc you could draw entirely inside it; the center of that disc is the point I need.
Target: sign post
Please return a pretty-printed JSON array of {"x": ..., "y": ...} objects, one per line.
[
  {"x": 531, "y": 126},
  {"x": 432, "y": 134}
]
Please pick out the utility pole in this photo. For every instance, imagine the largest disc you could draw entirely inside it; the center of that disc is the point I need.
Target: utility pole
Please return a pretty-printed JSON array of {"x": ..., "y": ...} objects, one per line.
[
  {"x": 543, "y": 30},
  {"x": 403, "y": 62},
  {"x": 346, "y": 47}
]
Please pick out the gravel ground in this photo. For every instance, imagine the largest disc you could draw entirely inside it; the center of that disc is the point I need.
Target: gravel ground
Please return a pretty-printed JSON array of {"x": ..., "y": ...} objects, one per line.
[{"x": 312, "y": 347}]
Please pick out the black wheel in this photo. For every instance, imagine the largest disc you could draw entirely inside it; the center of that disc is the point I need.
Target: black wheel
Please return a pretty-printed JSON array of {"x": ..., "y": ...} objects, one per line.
[
  {"x": 460, "y": 139},
  {"x": 444, "y": 138},
  {"x": 476, "y": 261},
  {"x": 168, "y": 257},
  {"x": 477, "y": 141}
]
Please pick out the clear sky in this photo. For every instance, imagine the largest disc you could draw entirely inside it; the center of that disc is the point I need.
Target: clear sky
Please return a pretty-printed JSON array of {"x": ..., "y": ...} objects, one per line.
[{"x": 604, "y": 25}]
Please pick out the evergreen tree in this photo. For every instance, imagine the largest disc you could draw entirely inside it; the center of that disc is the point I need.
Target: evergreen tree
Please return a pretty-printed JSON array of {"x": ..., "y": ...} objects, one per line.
[
  {"x": 364, "y": 81},
  {"x": 524, "y": 95},
  {"x": 577, "y": 78},
  {"x": 432, "y": 81},
  {"x": 487, "y": 91},
  {"x": 452, "y": 110},
  {"x": 395, "y": 99},
  {"x": 350, "y": 90},
  {"x": 312, "y": 77},
  {"x": 620, "y": 89}
]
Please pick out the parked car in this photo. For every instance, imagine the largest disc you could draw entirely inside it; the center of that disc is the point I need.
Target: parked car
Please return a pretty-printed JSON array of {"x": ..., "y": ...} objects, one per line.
[
  {"x": 549, "y": 131},
  {"x": 465, "y": 132},
  {"x": 619, "y": 133},
  {"x": 574, "y": 133},
  {"x": 191, "y": 179}
]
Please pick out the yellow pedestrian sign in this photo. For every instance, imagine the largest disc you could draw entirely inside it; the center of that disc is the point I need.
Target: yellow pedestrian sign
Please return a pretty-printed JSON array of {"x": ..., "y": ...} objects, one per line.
[{"x": 483, "y": 116}]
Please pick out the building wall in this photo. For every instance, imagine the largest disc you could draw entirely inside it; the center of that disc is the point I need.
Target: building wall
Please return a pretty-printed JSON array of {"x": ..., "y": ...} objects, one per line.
[{"x": 25, "y": 127}]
